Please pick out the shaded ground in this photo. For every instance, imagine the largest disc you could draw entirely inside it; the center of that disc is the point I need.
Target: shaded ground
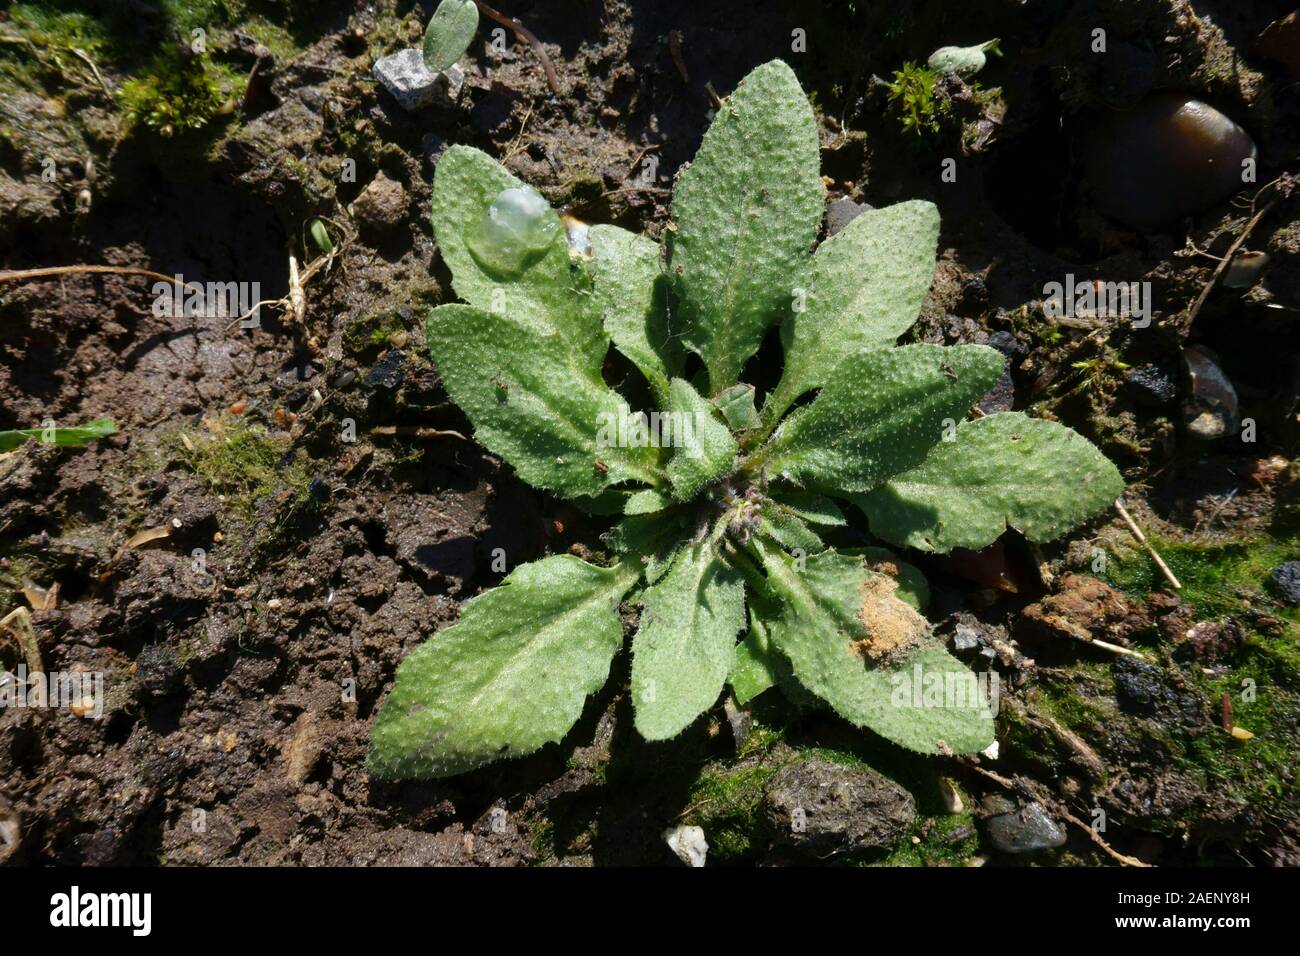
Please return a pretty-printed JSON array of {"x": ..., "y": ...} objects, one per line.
[{"x": 247, "y": 650}]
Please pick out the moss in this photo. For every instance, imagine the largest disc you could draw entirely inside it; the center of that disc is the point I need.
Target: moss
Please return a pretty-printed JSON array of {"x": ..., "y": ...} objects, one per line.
[
  {"x": 542, "y": 836},
  {"x": 178, "y": 93},
  {"x": 912, "y": 94},
  {"x": 948, "y": 840},
  {"x": 728, "y": 804},
  {"x": 245, "y": 463},
  {"x": 366, "y": 337}
]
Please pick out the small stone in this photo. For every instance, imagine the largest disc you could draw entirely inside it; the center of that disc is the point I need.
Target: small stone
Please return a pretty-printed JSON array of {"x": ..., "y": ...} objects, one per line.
[
  {"x": 1026, "y": 829},
  {"x": 381, "y": 207},
  {"x": 965, "y": 638},
  {"x": 1286, "y": 578},
  {"x": 688, "y": 843},
  {"x": 388, "y": 371},
  {"x": 819, "y": 807},
  {"x": 842, "y": 212},
  {"x": 411, "y": 83},
  {"x": 1150, "y": 386},
  {"x": 1245, "y": 269},
  {"x": 1211, "y": 408}
]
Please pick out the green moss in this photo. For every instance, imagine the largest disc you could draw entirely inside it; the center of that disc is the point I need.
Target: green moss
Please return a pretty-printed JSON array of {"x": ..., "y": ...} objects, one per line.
[
  {"x": 176, "y": 93},
  {"x": 245, "y": 463},
  {"x": 728, "y": 804},
  {"x": 912, "y": 94},
  {"x": 366, "y": 337},
  {"x": 948, "y": 840}
]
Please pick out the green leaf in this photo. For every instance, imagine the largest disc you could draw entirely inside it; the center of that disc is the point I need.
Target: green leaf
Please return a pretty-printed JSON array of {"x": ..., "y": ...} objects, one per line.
[
  {"x": 450, "y": 32},
  {"x": 629, "y": 288},
  {"x": 550, "y": 294},
  {"x": 912, "y": 585},
  {"x": 746, "y": 212},
  {"x": 707, "y": 451},
  {"x": 654, "y": 539},
  {"x": 788, "y": 530},
  {"x": 835, "y": 616},
  {"x": 865, "y": 289},
  {"x": 759, "y": 665},
  {"x": 1005, "y": 470},
  {"x": 647, "y": 501},
  {"x": 686, "y": 644},
  {"x": 813, "y": 508},
  {"x": 737, "y": 406},
  {"x": 75, "y": 436},
  {"x": 530, "y": 406},
  {"x": 879, "y": 414},
  {"x": 510, "y": 677}
]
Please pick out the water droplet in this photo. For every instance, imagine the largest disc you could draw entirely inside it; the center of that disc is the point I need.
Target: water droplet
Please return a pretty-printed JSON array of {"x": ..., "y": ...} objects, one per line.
[{"x": 514, "y": 232}]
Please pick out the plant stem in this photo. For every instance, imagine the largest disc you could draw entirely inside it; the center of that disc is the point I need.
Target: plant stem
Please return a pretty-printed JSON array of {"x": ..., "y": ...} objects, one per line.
[{"x": 512, "y": 23}]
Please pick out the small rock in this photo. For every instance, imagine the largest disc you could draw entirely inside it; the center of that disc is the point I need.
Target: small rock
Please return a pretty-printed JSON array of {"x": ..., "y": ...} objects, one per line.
[
  {"x": 1211, "y": 408},
  {"x": 1142, "y": 688},
  {"x": 387, "y": 373},
  {"x": 965, "y": 638},
  {"x": 1084, "y": 607},
  {"x": 1019, "y": 830},
  {"x": 1286, "y": 578},
  {"x": 1007, "y": 343},
  {"x": 1150, "y": 386},
  {"x": 688, "y": 843},
  {"x": 819, "y": 807},
  {"x": 842, "y": 212},
  {"x": 1245, "y": 269},
  {"x": 381, "y": 207},
  {"x": 405, "y": 76}
]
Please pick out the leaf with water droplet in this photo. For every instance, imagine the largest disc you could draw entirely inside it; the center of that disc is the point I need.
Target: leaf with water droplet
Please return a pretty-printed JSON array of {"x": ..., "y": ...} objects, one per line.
[{"x": 514, "y": 232}]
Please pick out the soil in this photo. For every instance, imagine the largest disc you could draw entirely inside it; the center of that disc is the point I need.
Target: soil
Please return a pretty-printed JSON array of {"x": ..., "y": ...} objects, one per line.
[{"x": 311, "y": 536}]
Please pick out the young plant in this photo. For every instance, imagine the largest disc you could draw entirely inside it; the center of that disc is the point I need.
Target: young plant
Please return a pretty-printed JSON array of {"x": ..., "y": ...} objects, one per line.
[
  {"x": 721, "y": 530},
  {"x": 74, "y": 437}
]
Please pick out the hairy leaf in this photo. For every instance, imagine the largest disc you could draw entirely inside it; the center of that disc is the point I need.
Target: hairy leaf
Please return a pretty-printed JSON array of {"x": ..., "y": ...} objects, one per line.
[
  {"x": 510, "y": 677},
  {"x": 449, "y": 34},
  {"x": 737, "y": 406},
  {"x": 912, "y": 585},
  {"x": 530, "y": 406},
  {"x": 630, "y": 293},
  {"x": 813, "y": 508},
  {"x": 865, "y": 289},
  {"x": 835, "y": 617},
  {"x": 879, "y": 414},
  {"x": 788, "y": 529},
  {"x": 551, "y": 295},
  {"x": 746, "y": 212},
  {"x": 685, "y": 647},
  {"x": 707, "y": 450},
  {"x": 759, "y": 665},
  {"x": 1004, "y": 470}
]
